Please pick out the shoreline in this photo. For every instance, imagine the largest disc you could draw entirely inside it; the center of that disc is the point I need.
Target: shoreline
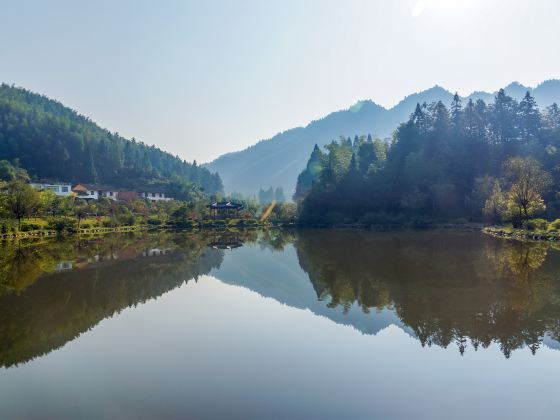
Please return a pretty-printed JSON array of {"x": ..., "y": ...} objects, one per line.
[
  {"x": 521, "y": 234},
  {"x": 35, "y": 234}
]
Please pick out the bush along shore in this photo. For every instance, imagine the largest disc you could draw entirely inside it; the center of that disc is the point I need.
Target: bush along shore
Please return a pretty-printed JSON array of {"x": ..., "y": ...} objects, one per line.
[
  {"x": 535, "y": 229},
  {"x": 68, "y": 226}
]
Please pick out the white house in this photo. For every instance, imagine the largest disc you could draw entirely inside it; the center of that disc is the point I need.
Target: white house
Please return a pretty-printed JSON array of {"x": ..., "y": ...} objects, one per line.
[
  {"x": 62, "y": 189},
  {"x": 153, "y": 194},
  {"x": 95, "y": 191}
]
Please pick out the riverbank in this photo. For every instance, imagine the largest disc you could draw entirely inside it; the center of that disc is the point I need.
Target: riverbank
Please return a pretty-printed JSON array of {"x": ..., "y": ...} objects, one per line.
[
  {"x": 91, "y": 231},
  {"x": 534, "y": 235},
  {"x": 190, "y": 225}
]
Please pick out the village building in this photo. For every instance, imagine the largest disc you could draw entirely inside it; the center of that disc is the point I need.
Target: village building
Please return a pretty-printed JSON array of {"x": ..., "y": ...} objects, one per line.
[
  {"x": 61, "y": 189},
  {"x": 95, "y": 191},
  {"x": 153, "y": 194}
]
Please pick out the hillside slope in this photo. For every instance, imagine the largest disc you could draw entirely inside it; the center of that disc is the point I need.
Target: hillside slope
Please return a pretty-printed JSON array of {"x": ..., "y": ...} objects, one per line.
[
  {"x": 54, "y": 141},
  {"x": 278, "y": 161}
]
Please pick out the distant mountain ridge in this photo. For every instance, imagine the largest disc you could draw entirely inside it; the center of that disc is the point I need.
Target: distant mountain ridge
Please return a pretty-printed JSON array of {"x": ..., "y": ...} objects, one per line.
[{"x": 278, "y": 161}]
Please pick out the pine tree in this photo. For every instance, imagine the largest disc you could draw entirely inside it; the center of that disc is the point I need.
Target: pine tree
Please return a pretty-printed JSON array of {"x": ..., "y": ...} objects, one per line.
[
  {"x": 529, "y": 118},
  {"x": 456, "y": 108}
]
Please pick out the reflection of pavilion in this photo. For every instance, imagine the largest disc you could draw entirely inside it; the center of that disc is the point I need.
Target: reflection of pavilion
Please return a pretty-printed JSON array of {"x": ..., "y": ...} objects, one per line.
[
  {"x": 152, "y": 252},
  {"x": 224, "y": 209},
  {"x": 226, "y": 241},
  {"x": 63, "y": 266}
]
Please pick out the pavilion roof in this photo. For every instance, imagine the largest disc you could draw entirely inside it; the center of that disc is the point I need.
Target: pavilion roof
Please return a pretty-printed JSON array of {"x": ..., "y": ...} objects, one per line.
[{"x": 224, "y": 205}]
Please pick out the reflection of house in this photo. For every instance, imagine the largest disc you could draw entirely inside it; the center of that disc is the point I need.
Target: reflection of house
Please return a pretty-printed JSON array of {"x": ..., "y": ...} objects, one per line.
[
  {"x": 63, "y": 265},
  {"x": 226, "y": 242},
  {"x": 153, "y": 252},
  {"x": 62, "y": 189},
  {"x": 95, "y": 191}
]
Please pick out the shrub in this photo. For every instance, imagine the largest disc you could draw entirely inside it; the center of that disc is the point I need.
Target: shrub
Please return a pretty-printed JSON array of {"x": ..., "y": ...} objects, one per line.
[
  {"x": 85, "y": 226},
  {"x": 63, "y": 224},
  {"x": 555, "y": 224},
  {"x": 154, "y": 222},
  {"x": 27, "y": 227},
  {"x": 108, "y": 223},
  {"x": 126, "y": 220},
  {"x": 533, "y": 224}
]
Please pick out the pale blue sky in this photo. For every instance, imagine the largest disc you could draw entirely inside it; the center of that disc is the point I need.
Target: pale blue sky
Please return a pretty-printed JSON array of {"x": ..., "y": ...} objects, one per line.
[{"x": 200, "y": 78}]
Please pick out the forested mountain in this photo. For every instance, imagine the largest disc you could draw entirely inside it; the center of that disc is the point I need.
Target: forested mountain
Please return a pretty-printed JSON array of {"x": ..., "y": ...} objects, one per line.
[
  {"x": 499, "y": 160},
  {"x": 53, "y": 141},
  {"x": 278, "y": 161}
]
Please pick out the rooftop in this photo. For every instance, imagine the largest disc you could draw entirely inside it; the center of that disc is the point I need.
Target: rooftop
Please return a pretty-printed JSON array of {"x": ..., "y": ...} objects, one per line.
[
  {"x": 97, "y": 187},
  {"x": 48, "y": 181},
  {"x": 225, "y": 205}
]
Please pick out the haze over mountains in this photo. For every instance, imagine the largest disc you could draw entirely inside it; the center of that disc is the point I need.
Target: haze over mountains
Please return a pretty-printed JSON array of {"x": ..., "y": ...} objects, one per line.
[{"x": 278, "y": 161}]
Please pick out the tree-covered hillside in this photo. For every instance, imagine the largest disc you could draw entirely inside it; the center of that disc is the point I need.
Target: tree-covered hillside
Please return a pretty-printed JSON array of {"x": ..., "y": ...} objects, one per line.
[
  {"x": 500, "y": 161},
  {"x": 278, "y": 161},
  {"x": 53, "y": 141}
]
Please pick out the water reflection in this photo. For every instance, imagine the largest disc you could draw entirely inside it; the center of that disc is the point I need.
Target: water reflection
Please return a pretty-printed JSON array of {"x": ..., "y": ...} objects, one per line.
[
  {"x": 43, "y": 305},
  {"x": 225, "y": 240},
  {"x": 455, "y": 288},
  {"x": 461, "y": 289}
]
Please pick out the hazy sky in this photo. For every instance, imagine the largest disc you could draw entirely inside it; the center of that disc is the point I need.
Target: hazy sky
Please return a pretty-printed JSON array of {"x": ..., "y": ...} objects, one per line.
[{"x": 203, "y": 78}]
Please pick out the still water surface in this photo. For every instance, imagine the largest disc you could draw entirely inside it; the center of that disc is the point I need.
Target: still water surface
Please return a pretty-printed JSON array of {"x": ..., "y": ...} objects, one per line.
[{"x": 312, "y": 324}]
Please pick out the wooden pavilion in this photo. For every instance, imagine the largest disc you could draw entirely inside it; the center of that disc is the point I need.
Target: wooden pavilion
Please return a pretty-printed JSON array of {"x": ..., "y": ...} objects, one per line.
[{"x": 224, "y": 209}]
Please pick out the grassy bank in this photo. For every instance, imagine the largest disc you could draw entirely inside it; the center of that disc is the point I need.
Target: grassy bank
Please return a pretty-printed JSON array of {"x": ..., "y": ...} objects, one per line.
[
  {"x": 39, "y": 227},
  {"x": 535, "y": 229}
]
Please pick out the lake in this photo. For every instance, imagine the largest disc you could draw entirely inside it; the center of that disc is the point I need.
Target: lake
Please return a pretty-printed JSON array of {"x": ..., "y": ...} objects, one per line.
[{"x": 280, "y": 324}]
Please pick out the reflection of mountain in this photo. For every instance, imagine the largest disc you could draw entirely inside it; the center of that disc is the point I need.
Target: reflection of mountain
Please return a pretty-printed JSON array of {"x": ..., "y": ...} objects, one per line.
[
  {"x": 60, "y": 306},
  {"x": 277, "y": 274},
  {"x": 442, "y": 288}
]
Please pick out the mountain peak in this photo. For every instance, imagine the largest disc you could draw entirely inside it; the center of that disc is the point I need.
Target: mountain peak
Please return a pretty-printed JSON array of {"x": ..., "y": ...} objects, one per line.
[
  {"x": 363, "y": 105},
  {"x": 516, "y": 89},
  {"x": 279, "y": 160}
]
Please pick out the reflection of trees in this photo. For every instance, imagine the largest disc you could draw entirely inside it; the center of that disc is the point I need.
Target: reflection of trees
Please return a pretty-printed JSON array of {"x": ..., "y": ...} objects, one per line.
[
  {"x": 58, "y": 307},
  {"x": 518, "y": 257},
  {"x": 450, "y": 288},
  {"x": 273, "y": 239},
  {"x": 22, "y": 262}
]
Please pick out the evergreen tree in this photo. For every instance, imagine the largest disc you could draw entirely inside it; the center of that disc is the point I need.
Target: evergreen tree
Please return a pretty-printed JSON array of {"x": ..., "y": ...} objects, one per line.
[
  {"x": 443, "y": 164},
  {"x": 456, "y": 111},
  {"x": 529, "y": 118}
]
